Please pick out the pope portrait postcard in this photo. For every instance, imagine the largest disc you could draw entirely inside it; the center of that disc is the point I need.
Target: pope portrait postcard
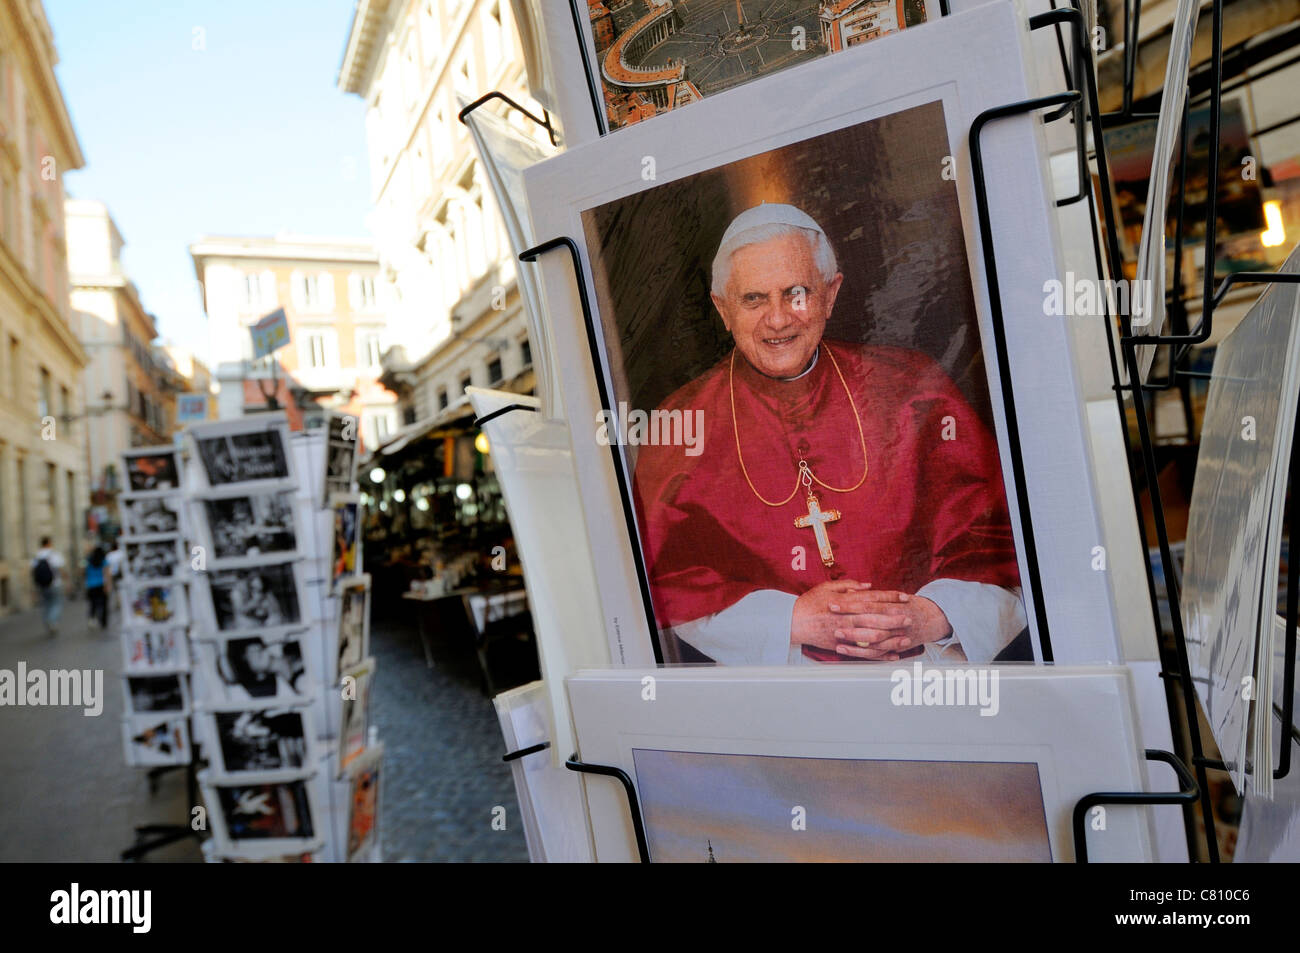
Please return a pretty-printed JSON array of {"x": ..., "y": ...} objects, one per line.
[
  {"x": 797, "y": 403},
  {"x": 801, "y": 399}
]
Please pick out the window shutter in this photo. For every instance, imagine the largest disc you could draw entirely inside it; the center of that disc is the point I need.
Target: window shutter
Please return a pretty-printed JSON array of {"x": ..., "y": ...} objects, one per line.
[
  {"x": 325, "y": 289},
  {"x": 270, "y": 294}
]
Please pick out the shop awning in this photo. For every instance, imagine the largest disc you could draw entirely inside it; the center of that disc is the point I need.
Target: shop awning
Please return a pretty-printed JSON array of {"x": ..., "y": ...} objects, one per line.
[{"x": 455, "y": 420}]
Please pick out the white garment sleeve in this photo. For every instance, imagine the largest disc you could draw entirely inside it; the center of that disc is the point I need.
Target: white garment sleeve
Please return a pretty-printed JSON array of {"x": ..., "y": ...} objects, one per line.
[
  {"x": 753, "y": 631},
  {"x": 984, "y": 618}
]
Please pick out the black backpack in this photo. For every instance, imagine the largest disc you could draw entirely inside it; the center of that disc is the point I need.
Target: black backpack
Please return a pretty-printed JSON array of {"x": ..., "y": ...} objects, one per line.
[{"x": 42, "y": 574}]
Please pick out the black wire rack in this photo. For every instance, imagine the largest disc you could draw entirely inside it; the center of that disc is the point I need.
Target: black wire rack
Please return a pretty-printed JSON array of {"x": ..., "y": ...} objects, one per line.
[
  {"x": 1206, "y": 82},
  {"x": 1081, "y": 102}
]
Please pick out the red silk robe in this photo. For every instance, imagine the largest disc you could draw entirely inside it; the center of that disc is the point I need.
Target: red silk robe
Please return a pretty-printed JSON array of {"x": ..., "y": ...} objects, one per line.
[{"x": 929, "y": 508}]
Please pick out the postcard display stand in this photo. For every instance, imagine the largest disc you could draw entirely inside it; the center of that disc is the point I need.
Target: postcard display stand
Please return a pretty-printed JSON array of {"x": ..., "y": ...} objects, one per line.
[
  {"x": 1078, "y": 103},
  {"x": 1273, "y": 647},
  {"x": 157, "y": 729},
  {"x": 293, "y": 769}
]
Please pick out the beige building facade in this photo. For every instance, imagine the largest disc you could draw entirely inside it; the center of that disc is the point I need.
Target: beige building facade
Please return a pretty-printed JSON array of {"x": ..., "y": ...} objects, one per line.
[
  {"x": 443, "y": 253},
  {"x": 43, "y": 486},
  {"x": 130, "y": 385},
  {"x": 338, "y": 328}
]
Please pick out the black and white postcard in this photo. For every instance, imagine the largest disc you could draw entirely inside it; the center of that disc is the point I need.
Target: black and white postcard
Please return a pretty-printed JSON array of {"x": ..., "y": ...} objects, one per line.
[
  {"x": 354, "y": 622},
  {"x": 243, "y": 450},
  {"x": 154, "y": 560},
  {"x": 343, "y": 434},
  {"x": 255, "y": 598},
  {"x": 157, "y": 694},
  {"x": 266, "y": 739},
  {"x": 151, "y": 515},
  {"x": 250, "y": 524},
  {"x": 253, "y": 669}
]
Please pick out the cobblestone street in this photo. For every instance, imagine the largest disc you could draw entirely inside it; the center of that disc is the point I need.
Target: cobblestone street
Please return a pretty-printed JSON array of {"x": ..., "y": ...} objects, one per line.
[
  {"x": 67, "y": 795},
  {"x": 442, "y": 754}
]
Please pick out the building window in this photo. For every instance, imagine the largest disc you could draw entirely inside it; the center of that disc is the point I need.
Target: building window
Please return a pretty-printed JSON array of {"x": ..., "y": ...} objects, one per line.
[
  {"x": 45, "y": 404},
  {"x": 313, "y": 292},
  {"x": 369, "y": 351},
  {"x": 65, "y": 405},
  {"x": 38, "y": 247},
  {"x": 361, "y": 292},
  {"x": 23, "y": 510},
  {"x": 306, "y": 292},
  {"x": 442, "y": 398},
  {"x": 408, "y": 415},
  {"x": 250, "y": 292},
  {"x": 526, "y": 352},
  {"x": 495, "y": 376},
  {"x": 320, "y": 349},
  {"x": 382, "y": 431},
  {"x": 70, "y": 500},
  {"x": 52, "y": 484},
  {"x": 257, "y": 292},
  {"x": 10, "y": 209},
  {"x": 466, "y": 382}
]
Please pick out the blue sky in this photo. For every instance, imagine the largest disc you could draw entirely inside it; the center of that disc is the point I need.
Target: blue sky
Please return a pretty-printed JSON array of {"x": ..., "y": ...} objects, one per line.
[{"x": 248, "y": 135}]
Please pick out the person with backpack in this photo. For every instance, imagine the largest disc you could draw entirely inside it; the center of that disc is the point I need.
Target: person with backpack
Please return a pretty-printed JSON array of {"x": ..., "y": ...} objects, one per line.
[
  {"x": 47, "y": 576},
  {"x": 96, "y": 585}
]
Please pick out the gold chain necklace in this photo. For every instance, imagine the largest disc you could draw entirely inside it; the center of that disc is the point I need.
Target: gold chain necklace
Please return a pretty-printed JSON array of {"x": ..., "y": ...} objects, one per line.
[{"x": 805, "y": 476}]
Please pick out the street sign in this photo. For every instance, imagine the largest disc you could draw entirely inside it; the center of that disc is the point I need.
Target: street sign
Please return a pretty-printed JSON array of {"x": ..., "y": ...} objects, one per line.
[
  {"x": 191, "y": 407},
  {"x": 269, "y": 333}
]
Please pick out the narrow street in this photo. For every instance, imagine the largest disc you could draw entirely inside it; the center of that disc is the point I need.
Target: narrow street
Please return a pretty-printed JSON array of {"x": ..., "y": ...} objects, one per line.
[{"x": 69, "y": 796}]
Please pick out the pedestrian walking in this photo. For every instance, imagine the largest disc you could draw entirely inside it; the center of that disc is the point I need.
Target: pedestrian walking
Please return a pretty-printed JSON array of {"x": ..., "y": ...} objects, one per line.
[
  {"x": 114, "y": 561},
  {"x": 97, "y": 581},
  {"x": 47, "y": 576}
]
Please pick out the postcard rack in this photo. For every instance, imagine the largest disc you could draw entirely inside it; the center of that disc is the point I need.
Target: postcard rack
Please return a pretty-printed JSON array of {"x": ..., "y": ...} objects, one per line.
[
  {"x": 151, "y": 837},
  {"x": 1081, "y": 102},
  {"x": 1070, "y": 102},
  {"x": 544, "y": 120},
  {"x": 1107, "y": 252}
]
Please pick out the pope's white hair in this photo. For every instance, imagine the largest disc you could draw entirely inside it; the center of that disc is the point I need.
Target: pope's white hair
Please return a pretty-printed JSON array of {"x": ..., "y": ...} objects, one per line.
[{"x": 823, "y": 254}]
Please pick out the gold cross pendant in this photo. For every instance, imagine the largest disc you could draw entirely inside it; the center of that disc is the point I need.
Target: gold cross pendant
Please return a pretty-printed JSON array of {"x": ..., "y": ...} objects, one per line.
[{"x": 817, "y": 518}]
